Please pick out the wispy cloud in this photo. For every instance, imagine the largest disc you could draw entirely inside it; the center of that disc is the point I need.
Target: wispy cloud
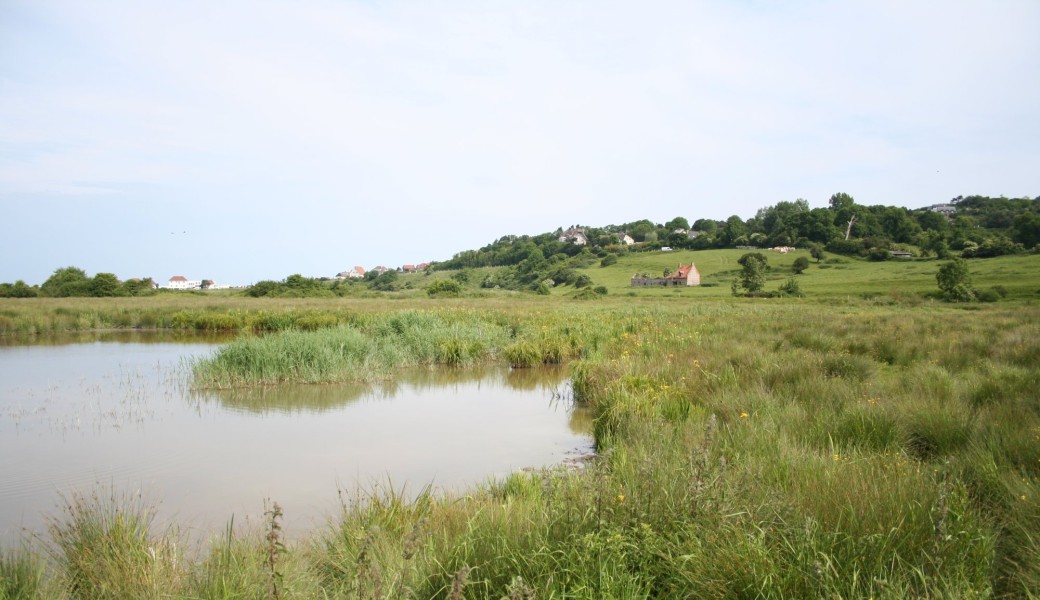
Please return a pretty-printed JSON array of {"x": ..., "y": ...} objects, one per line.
[{"x": 476, "y": 120}]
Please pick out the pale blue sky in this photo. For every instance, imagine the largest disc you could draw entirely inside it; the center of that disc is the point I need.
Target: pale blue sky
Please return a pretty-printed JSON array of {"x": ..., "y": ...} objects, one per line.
[{"x": 244, "y": 140}]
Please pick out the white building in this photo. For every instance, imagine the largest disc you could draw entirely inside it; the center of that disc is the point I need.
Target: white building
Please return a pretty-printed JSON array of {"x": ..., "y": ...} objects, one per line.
[{"x": 178, "y": 282}]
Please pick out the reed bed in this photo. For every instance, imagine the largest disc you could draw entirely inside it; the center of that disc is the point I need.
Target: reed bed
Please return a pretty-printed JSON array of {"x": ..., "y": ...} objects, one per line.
[{"x": 745, "y": 449}]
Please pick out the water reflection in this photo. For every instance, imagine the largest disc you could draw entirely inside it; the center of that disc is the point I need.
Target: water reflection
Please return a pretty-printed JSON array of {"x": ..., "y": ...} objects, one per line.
[
  {"x": 127, "y": 336},
  {"x": 291, "y": 398},
  {"x": 119, "y": 414}
]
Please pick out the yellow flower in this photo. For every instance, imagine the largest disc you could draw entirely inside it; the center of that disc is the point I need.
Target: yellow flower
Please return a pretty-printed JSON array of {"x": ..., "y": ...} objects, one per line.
[
  {"x": 620, "y": 497},
  {"x": 743, "y": 415},
  {"x": 837, "y": 457}
]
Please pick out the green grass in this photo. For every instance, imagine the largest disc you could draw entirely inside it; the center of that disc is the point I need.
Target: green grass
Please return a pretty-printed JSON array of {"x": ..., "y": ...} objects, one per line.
[
  {"x": 895, "y": 280},
  {"x": 767, "y": 448}
]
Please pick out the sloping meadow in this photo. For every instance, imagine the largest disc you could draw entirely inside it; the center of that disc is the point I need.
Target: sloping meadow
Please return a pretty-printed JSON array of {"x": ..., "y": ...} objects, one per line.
[{"x": 780, "y": 449}]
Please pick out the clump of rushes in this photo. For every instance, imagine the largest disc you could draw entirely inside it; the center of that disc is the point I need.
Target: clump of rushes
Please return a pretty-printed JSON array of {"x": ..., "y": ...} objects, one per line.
[
  {"x": 21, "y": 575},
  {"x": 353, "y": 352},
  {"x": 104, "y": 548},
  {"x": 522, "y": 354}
]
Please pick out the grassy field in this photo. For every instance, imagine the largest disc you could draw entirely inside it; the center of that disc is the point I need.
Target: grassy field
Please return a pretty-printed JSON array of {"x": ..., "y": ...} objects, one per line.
[
  {"x": 834, "y": 277},
  {"x": 863, "y": 442}
]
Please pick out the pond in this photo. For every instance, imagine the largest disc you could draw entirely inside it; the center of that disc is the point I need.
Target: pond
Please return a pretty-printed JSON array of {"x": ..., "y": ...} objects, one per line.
[{"x": 116, "y": 413}]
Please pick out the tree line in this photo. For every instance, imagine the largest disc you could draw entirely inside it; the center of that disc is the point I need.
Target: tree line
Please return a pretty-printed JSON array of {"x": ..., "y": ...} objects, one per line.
[
  {"x": 73, "y": 282},
  {"x": 978, "y": 227}
]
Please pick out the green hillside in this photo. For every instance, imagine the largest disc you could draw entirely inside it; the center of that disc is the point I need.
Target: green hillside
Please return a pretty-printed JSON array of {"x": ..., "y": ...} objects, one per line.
[{"x": 834, "y": 276}]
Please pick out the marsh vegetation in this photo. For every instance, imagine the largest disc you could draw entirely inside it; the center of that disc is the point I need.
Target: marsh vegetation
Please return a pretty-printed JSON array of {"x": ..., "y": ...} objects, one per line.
[{"x": 769, "y": 448}]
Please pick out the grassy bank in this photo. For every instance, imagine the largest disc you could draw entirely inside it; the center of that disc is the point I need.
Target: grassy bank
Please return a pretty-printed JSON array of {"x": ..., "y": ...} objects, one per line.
[
  {"x": 835, "y": 279},
  {"x": 747, "y": 449}
]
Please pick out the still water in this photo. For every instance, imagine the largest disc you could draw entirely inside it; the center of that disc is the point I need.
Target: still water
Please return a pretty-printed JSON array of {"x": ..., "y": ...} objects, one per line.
[{"x": 118, "y": 415}]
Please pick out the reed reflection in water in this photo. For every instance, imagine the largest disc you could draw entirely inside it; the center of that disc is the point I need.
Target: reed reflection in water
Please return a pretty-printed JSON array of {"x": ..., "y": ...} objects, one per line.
[{"x": 74, "y": 417}]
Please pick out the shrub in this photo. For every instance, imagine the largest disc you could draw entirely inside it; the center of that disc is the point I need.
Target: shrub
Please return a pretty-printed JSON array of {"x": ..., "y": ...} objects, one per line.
[
  {"x": 954, "y": 281},
  {"x": 800, "y": 264},
  {"x": 878, "y": 254},
  {"x": 610, "y": 259},
  {"x": 846, "y": 247},
  {"x": 444, "y": 288},
  {"x": 791, "y": 288},
  {"x": 989, "y": 295}
]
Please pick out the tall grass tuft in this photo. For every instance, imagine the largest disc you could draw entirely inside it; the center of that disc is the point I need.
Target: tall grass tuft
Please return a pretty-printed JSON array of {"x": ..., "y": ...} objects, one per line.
[
  {"x": 21, "y": 575},
  {"x": 104, "y": 548}
]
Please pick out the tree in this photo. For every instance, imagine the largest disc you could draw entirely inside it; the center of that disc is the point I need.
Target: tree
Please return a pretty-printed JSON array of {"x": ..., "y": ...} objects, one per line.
[
  {"x": 67, "y": 281},
  {"x": 816, "y": 251},
  {"x": 800, "y": 264},
  {"x": 705, "y": 225},
  {"x": 753, "y": 272},
  {"x": 1027, "y": 229},
  {"x": 733, "y": 230},
  {"x": 677, "y": 223},
  {"x": 17, "y": 290},
  {"x": 104, "y": 285},
  {"x": 841, "y": 201},
  {"x": 385, "y": 282},
  {"x": 138, "y": 287},
  {"x": 954, "y": 281},
  {"x": 934, "y": 241}
]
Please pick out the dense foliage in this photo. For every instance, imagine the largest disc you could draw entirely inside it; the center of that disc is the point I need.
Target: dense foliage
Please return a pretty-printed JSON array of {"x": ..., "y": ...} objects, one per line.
[
  {"x": 979, "y": 227},
  {"x": 69, "y": 282}
]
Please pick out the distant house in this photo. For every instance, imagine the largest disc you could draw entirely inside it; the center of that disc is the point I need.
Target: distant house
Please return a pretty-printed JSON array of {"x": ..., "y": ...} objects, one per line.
[
  {"x": 685, "y": 275},
  {"x": 947, "y": 210},
  {"x": 626, "y": 239},
  {"x": 575, "y": 236},
  {"x": 355, "y": 273},
  {"x": 179, "y": 282},
  {"x": 380, "y": 269},
  {"x": 408, "y": 268}
]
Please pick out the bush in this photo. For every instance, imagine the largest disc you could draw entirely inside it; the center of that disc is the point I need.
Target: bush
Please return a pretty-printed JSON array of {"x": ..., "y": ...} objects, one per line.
[
  {"x": 800, "y": 264},
  {"x": 791, "y": 288},
  {"x": 989, "y": 295},
  {"x": 610, "y": 259},
  {"x": 444, "y": 288},
  {"x": 846, "y": 247},
  {"x": 954, "y": 281},
  {"x": 878, "y": 254}
]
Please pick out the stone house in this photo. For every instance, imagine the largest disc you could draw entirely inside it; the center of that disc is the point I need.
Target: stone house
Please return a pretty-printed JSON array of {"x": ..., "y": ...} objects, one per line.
[{"x": 685, "y": 275}]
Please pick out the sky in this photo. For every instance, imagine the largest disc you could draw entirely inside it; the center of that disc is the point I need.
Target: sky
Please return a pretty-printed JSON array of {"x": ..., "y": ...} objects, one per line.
[{"x": 241, "y": 140}]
